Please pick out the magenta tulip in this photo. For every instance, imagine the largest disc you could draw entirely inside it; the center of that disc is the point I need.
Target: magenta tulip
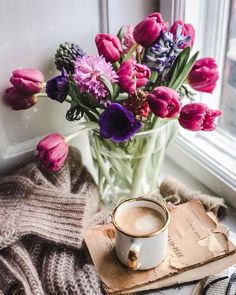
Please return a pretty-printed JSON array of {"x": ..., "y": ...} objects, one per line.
[
  {"x": 146, "y": 32},
  {"x": 164, "y": 102},
  {"x": 132, "y": 75},
  {"x": 27, "y": 80},
  {"x": 186, "y": 30},
  {"x": 109, "y": 46},
  {"x": 204, "y": 75},
  {"x": 198, "y": 116},
  {"x": 19, "y": 100},
  {"x": 52, "y": 151}
]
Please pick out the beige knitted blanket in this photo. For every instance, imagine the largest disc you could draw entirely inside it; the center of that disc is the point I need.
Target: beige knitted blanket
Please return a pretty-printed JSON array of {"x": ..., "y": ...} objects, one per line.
[{"x": 43, "y": 216}]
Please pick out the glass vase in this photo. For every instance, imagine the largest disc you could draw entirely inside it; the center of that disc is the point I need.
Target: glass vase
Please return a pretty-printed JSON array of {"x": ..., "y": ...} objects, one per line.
[{"x": 131, "y": 169}]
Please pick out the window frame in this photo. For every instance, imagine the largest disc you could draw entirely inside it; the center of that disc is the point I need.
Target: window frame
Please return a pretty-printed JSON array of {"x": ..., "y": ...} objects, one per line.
[{"x": 200, "y": 154}]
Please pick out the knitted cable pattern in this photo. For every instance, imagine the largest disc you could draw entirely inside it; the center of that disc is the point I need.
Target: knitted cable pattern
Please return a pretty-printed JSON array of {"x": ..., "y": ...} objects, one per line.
[{"x": 43, "y": 217}]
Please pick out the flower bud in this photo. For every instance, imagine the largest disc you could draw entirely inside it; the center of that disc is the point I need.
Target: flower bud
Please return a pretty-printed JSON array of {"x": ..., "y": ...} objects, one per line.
[
  {"x": 132, "y": 75},
  {"x": 19, "y": 100},
  {"x": 66, "y": 55},
  {"x": 57, "y": 88},
  {"x": 164, "y": 102},
  {"x": 128, "y": 38},
  {"x": 147, "y": 31},
  {"x": 27, "y": 80},
  {"x": 109, "y": 46},
  {"x": 52, "y": 151},
  {"x": 204, "y": 75},
  {"x": 186, "y": 30},
  {"x": 198, "y": 116}
]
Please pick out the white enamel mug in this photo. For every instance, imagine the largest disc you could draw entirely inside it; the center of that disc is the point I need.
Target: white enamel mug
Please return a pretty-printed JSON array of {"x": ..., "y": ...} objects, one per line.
[{"x": 139, "y": 252}]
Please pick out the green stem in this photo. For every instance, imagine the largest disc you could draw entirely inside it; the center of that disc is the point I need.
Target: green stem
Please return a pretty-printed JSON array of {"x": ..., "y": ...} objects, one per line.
[
  {"x": 158, "y": 163},
  {"x": 68, "y": 100},
  {"x": 171, "y": 119},
  {"x": 170, "y": 134},
  {"x": 119, "y": 164},
  {"x": 154, "y": 76},
  {"x": 116, "y": 65},
  {"x": 84, "y": 127},
  {"x": 140, "y": 169},
  {"x": 102, "y": 167},
  {"x": 89, "y": 125},
  {"x": 132, "y": 49},
  {"x": 41, "y": 94},
  {"x": 139, "y": 58},
  {"x": 73, "y": 135}
]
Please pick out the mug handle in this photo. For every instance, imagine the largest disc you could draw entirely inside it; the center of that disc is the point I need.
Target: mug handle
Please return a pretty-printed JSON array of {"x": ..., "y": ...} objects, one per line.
[{"x": 133, "y": 256}]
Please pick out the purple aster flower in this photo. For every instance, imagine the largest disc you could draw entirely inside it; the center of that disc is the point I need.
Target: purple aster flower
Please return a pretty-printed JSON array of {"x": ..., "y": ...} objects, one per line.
[
  {"x": 117, "y": 123},
  {"x": 57, "y": 88},
  {"x": 88, "y": 73}
]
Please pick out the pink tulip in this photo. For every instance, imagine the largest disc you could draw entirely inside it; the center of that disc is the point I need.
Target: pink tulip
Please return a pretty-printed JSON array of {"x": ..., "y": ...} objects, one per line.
[
  {"x": 19, "y": 100},
  {"x": 164, "y": 102},
  {"x": 198, "y": 116},
  {"x": 132, "y": 75},
  {"x": 109, "y": 46},
  {"x": 128, "y": 38},
  {"x": 204, "y": 75},
  {"x": 52, "y": 151},
  {"x": 186, "y": 30},
  {"x": 27, "y": 80},
  {"x": 146, "y": 32}
]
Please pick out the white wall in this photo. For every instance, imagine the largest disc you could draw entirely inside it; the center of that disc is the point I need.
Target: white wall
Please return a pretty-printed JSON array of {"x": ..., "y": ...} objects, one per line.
[{"x": 30, "y": 32}]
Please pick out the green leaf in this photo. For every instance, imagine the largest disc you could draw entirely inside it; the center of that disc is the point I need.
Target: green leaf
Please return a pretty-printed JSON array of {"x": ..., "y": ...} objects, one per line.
[
  {"x": 184, "y": 73},
  {"x": 84, "y": 98},
  {"x": 178, "y": 65},
  {"x": 122, "y": 97},
  {"x": 158, "y": 81},
  {"x": 120, "y": 33},
  {"x": 91, "y": 116},
  {"x": 108, "y": 85},
  {"x": 90, "y": 101},
  {"x": 73, "y": 91},
  {"x": 82, "y": 103},
  {"x": 154, "y": 76},
  {"x": 116, "y": 90}
]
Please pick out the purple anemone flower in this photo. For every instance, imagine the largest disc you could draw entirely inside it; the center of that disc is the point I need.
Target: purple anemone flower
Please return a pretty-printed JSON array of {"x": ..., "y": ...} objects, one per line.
[
  {"x": 58, "y": 87},
  {"x": 117, "y": 123}
]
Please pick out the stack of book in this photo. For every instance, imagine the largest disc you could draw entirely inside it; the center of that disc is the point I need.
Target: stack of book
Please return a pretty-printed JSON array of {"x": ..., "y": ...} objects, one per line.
[{"x": 198, "y": 247}]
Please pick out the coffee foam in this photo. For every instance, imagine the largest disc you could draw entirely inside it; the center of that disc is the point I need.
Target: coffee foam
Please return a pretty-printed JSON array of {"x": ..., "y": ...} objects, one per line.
[
  {"x": 140, "y": 220},
  {"x": 147, "y": 223}
]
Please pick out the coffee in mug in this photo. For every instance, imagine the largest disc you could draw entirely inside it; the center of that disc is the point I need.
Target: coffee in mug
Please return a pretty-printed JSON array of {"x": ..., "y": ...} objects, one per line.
[
  {"x": 141, "y": 232},
  {"x": 140, "y": 220}
]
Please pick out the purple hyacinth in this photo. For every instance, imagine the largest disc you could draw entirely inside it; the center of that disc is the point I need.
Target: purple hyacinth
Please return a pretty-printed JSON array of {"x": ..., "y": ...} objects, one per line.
[
  {"x": 162, "y": 54},
  {"x": 57, "y": 88},
  {"x": 117, "y": 123},
  {"x": 89, "y": 71},
  {"x": 66, "y": 55}
]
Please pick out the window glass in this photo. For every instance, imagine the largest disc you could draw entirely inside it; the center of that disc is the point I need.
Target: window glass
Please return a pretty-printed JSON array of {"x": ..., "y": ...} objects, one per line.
[
  {"x": 228, "y": 102},
  {"x": 212, "y": 154}
]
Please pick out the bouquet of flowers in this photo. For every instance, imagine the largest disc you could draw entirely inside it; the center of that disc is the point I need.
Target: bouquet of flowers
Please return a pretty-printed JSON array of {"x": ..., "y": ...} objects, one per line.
[{"x": 131, "y": 95}]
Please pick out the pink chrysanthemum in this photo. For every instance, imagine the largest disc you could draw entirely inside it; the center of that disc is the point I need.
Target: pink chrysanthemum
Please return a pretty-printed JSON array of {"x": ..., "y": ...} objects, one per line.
[{"x": 88, "y": 73}]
